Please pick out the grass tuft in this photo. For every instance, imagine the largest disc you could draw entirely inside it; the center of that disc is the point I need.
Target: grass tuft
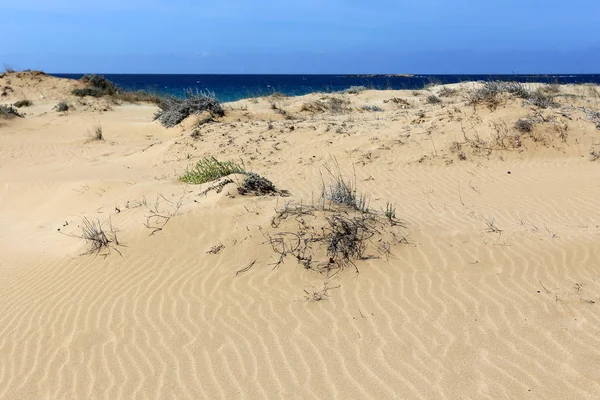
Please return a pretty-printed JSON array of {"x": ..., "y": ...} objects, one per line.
[
  {"x": 209, "y": 169},
  {"x": 343, "y": 191},
  {"x": 97, "y": 133}
]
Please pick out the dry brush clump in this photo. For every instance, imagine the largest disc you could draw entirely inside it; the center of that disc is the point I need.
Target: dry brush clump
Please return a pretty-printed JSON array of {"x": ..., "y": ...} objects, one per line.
[
  {"x": 257, "y": 185},
  {"x": 328, "y": 238},
  {"x": 354, "y": 90},
  {"x": 8, "y": 111},
  {"x": 100, "y": 239},
  {"x": 341, "y": 190},
  {"x": 524, "y": 125},
  {"x": 23, "y": 103},
  {"x": 335, "y": 105},
  {"x": 62, "y": 106},
  {"x": 447, "y": 92},
  {"x": 433, "y": 99},
  {"x": 97, "y": 133},
  {"x": 334, "y": 233},
  {"x": 371, "y": 108},
  {"x": 173, "y": 110},
  {"x": 95, "y": 86},
  {"x": 99, "y": 86},
  {"x": 490, "y": 93}
]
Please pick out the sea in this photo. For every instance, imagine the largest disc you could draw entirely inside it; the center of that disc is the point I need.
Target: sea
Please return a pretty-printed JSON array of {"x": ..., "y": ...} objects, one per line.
[{"x": 235, "y": 87}]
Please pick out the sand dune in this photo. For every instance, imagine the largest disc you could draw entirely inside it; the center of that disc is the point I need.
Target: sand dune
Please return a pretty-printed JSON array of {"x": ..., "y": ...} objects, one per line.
[{"x": 495, "y": 295}]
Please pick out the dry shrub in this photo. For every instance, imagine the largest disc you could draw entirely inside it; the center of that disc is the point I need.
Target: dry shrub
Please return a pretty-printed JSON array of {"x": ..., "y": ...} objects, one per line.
[
  {"x": 489, "y": 94},
  {"x": 541, "y": 99},
  {"x": 331, "y": 239},
  {"x": 8, "y": 111},
  {"x": 334, "y": 105},
  {"x": 99, "y": 239},
  {"x": 62, "y": 106},
  {"x": 173, "y": 110},
  {"x": 259, "y": 186},
  {"x": 524, "y": 125},
  {"x": 354, "y": 90},
  {"x": 23, "y": 103},
  {"x": 447, "y": 92},
  {"x": 433, "y": 99},
  {"x": 138, "y": 96}
]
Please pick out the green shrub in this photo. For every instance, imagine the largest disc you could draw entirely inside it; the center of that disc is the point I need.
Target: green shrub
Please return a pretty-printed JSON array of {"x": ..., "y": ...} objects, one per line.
[{"x": 208, "y": 169}]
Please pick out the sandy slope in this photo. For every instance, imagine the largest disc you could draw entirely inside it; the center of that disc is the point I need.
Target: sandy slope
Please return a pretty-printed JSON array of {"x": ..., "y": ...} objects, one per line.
[{"x": 460, "y": 312}]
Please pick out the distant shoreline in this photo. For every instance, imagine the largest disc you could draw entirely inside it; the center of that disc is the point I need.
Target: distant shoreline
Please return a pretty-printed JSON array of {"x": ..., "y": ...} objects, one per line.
[{"x": 229, "y": 88}]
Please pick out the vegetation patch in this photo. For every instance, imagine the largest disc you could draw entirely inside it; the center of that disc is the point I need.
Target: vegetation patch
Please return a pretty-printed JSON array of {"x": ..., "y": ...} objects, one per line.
[
  {"x": 99, "y": 239},
  {"x": 524, "y": 125},
  {"x": 447, "y": 92},
  {"x": 489, "y": 93},
  {"x": 372, "y": 108},
  {"x": 97, "y": 133},
  {"x": 173, "y": 110},
  {"x": 8, "y": 111},
  {"x": 96, "y": 86},
  {"x": 209, "y": 169},
  {"x": 354, "y": 90},
  {"x": 23, "y": 103},
  {"x": 433, "y": 99},
  {"x": 340, "y": 190},
  {"x": 258, "y": 186},
  {"x": 334, "y": 105},
  {"x": 329, "y": 238},
  {"x": 542, "y": 99},
  {"x": 62, "y": 106}
]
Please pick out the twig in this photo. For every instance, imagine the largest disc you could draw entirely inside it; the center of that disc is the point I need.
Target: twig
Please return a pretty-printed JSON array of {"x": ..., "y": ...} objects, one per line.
[{"x": 241, "y": 271}]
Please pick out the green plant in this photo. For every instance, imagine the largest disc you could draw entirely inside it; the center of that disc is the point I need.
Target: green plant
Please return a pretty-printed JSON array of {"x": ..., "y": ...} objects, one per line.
[{"x": 208, "y": 169}]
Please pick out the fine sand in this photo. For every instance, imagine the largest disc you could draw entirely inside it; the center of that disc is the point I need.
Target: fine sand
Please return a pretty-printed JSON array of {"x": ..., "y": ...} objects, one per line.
[{"x": 496, "y": 295}]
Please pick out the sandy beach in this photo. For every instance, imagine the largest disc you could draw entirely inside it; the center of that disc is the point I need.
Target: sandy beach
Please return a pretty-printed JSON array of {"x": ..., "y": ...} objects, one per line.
[{"x": 488, "y": 288}]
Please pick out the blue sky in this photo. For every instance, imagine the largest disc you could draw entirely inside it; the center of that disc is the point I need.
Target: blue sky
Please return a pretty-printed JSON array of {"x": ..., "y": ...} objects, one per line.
[{"x": 302, "y": 36}]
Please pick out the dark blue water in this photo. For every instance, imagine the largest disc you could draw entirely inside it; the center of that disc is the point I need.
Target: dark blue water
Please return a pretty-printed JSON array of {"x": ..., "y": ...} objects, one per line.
[{"x": 235, "y": 87}]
